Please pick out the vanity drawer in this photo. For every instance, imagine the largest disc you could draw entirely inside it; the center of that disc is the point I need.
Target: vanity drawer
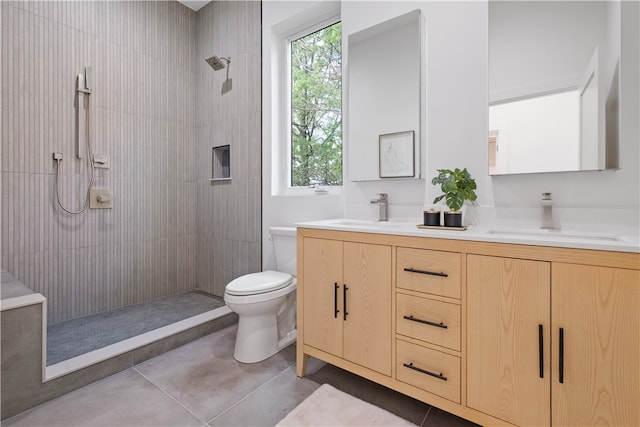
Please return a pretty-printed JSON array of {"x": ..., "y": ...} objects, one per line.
[
  {"x": 430, "y": 370},
  {"x": 432, "y": 272},
  {"x": 427, "y": 320}
]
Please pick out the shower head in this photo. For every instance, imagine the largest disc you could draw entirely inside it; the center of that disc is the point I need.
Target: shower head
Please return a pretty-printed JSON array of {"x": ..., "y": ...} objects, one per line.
[{"x": 216, "y": 62}]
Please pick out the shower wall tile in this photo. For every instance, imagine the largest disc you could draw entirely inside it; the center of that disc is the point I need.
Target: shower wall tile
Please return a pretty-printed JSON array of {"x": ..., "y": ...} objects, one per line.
[
  {"x": 228, "y": 212},
  {"x": 142, "y": 116},
  {"x": 156, "y": 110}
]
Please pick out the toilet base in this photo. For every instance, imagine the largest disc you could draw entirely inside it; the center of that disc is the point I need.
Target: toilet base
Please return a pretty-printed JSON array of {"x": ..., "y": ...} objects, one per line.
[
  {"x": 287, "y": 340},
  {"x": 257, "y": 338}
]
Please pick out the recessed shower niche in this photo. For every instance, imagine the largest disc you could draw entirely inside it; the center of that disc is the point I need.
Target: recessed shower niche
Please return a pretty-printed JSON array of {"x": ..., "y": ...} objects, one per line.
[{"x": 221, "y": 163}]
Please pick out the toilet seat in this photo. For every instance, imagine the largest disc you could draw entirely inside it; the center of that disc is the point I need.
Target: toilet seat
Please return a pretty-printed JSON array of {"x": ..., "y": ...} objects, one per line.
[{"x": 258, "y": 283}]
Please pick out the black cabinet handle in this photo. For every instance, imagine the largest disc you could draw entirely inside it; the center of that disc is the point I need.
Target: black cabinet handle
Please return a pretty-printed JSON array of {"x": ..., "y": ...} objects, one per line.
[
  {"x": 344, "y": 302},
  {"x": 561, "y": 356},
  {"x": 424, "y": 371},
  {"x": 426, "y": 322},
  {"x": 430, "y": 273},
  {"x": 541, "y": 350},
  {"x": 335, "y": 300}
]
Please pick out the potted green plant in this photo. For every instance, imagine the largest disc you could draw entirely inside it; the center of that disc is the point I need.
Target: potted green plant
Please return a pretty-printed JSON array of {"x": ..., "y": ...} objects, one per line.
[{"x": 457, "y": 186}]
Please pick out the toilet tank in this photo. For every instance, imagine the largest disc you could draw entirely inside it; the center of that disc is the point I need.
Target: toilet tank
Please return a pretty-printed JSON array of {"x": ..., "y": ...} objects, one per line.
[{"x": 284, "y": 245}]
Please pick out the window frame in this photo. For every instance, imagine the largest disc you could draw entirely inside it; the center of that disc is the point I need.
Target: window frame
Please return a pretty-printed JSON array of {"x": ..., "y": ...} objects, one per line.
[{"x": 286, "y": 109}]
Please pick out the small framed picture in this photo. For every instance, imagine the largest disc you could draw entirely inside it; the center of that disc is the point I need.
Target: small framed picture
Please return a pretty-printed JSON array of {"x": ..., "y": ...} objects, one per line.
[{"x": 396, "y": 155}]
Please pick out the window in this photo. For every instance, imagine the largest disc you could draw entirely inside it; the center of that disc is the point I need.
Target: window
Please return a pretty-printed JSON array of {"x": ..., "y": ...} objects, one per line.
[{"x": 316, "y": 108}]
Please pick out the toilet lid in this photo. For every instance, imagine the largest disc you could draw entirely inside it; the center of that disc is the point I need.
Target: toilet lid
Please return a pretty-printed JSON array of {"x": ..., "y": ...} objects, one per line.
[{"x": 258, "y": 283}]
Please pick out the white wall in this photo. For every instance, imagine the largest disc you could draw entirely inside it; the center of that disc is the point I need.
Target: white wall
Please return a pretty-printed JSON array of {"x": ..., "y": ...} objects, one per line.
[{"x": 457, "y": 123}]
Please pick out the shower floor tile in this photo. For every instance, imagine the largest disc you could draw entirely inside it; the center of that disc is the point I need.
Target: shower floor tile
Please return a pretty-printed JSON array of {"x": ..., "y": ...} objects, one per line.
[{"x": 78, "y": 336}]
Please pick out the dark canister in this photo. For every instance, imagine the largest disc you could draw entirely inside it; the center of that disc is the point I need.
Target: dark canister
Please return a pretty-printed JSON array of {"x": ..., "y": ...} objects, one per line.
[
  {"x": 431, "y": 218},
  {"x": 453, "y": 219}
]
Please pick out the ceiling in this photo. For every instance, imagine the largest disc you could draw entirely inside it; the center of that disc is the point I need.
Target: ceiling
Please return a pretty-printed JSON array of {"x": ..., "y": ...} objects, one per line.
[{"x": 194, "y": 4}]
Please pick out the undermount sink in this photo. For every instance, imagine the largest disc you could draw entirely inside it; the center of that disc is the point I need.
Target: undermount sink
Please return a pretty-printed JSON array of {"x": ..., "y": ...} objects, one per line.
[
  {"x": 559, "y": 234},
  {"x": 367, "y": 223}
]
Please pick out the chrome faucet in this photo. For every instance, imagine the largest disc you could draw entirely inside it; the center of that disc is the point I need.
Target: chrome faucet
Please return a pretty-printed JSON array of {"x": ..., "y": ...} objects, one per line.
[
  {"x": 383, "y": 206},
  {"x": 547, "y": 215}
]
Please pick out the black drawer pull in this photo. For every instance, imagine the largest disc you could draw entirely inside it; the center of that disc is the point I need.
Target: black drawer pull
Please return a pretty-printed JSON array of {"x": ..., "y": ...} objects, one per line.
[
  {"x": 430, "y": 273},
  {"x": 415, "y": 368},
  {"x": 541, "y": 351},
  {"x": 426, "y": 322},
  {"x": 335, "y": 300},
  {"x": 345, "y": 313},
  {"x": 561, "y": 356}
]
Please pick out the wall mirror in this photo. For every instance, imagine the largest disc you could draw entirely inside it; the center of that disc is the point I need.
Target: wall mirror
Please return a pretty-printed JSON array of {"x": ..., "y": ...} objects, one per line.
[
  {"x": 553, "y": 86},
  {"x": 384, "y": 87}
]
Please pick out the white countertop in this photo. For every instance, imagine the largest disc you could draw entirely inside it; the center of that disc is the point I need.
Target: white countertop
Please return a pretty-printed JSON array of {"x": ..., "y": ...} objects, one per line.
[{"x": 524, "y": 236}]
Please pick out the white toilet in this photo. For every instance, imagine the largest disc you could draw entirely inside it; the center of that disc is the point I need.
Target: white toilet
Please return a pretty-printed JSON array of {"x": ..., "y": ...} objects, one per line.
[{"x": 266, "y": 303}]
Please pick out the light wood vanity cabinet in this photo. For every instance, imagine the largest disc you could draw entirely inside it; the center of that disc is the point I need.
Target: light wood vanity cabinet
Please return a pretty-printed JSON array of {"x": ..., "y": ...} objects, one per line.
[
  {"x": 553, "y": 343},
  {"x": 508, "y": 376},
  {"x": 427, "y": 369},
  {"x": 428, "y": 321},
  {"x": 597, "y": 310},
  {"x": 474, "y": 327},
  {"x": 429, "y": 272},
  {"x": 347, "y": 301}
]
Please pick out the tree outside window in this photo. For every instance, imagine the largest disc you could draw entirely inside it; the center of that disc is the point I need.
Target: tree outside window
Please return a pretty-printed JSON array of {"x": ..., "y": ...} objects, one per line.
[{"x": 316, "y": 108}]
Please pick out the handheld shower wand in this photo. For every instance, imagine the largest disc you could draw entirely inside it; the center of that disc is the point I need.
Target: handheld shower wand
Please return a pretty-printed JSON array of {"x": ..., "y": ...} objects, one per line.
[{"x": 83, "y": 90}]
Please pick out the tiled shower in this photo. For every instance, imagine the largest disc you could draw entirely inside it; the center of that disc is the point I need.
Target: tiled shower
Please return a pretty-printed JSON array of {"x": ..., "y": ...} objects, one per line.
[{"x": 156, "y": 111}]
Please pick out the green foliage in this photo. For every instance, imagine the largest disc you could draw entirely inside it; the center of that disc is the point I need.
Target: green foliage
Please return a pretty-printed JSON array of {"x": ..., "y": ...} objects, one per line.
[
  {"x": 316, "y": 108},
  {"x": 457, "y": 186}
]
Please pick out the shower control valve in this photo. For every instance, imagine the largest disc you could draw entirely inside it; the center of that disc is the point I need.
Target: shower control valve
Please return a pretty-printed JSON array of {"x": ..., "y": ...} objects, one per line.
[
  {"x": 101, "y": 161},
  {"x": 100, "y": 198}
]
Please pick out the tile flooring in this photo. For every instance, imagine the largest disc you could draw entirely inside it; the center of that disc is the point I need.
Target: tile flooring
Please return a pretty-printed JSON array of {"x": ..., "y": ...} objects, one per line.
[
  {"x": 84, "y": 334},
  {"x": 201, "y": 384}
]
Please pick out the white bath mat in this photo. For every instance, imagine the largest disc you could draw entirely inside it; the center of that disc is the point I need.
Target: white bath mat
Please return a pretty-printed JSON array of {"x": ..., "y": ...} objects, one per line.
[{"x": 328, "y": 406}]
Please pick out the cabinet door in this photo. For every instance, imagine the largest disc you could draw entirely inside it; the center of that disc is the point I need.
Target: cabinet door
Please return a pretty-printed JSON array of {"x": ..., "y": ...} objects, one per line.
[
  {"x": 598, "y": 311},
  {"x": 322, "y": 273},
  {"x": 507, "y": 351},
  {"x": 367, "y": 328}
]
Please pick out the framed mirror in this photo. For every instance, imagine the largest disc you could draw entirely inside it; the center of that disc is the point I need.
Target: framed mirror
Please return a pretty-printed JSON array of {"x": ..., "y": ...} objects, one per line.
[
  {"x": 384, "y": 87},
  {"x": 553, "y": 86}
]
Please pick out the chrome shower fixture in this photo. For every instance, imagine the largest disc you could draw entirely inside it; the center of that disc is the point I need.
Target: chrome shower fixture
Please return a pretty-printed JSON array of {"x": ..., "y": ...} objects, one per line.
[
  {"x": 83, "y": 82},
  {"x": 216, "y": 62},
  {"x": 83, "y": 129}
]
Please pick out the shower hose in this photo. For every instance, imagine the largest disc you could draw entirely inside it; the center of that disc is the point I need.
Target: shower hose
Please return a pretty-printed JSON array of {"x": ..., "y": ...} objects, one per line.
[{"x": 90, "y": 167}]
